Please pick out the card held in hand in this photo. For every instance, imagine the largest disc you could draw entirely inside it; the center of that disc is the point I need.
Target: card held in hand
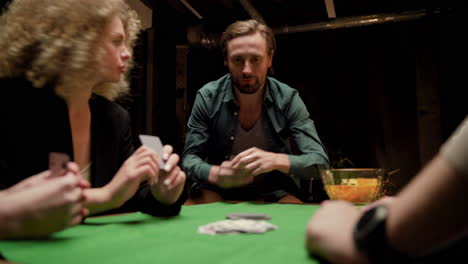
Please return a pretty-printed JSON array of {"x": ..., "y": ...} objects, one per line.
[
  {"x": 154, "y": 143},
  {"x": 58, "y": 163}
]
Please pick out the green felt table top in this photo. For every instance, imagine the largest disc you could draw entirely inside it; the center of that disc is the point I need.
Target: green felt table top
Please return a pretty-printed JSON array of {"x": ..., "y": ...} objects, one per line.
[{"x": 140, "y": 238}]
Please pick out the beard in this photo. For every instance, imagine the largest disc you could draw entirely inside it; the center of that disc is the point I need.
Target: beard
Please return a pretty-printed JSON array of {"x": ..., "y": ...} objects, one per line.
[{"x": 247, "y": 88}]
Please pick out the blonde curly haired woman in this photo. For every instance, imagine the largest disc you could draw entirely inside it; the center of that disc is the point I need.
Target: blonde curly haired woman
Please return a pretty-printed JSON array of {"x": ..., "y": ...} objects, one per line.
[{"x": 62, "y": 63}]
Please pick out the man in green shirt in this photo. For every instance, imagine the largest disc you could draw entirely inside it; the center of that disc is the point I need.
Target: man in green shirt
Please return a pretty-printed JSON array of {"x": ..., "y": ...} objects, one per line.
[{"x": 237, "y": 145}]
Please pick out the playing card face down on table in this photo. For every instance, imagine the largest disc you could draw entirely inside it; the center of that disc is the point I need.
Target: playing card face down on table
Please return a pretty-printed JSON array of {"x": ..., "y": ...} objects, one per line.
[
  {"x": 253, "y": 216},
  {"x": 238, "y": 226}
]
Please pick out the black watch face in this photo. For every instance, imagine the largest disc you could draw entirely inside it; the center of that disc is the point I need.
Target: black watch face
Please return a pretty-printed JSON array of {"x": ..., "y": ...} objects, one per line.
[{"x": 366, "y": 218}]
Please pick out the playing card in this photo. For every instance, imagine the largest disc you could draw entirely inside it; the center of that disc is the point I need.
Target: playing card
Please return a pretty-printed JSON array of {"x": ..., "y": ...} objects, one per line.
[
  {"x": 58, "y": 163},
  {"x": 154, "y": 143},
  {"x": 236, "y": 227},
  {"x": 253, "y": 216}
]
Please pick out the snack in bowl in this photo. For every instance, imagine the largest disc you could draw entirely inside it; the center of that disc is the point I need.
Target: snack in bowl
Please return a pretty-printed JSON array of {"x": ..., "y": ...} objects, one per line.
[{"x": 353, "y": 185}]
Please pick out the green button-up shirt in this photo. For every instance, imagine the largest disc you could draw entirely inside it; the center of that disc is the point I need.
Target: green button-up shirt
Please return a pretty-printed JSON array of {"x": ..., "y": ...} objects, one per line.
[{"x": 213, "y": 122}]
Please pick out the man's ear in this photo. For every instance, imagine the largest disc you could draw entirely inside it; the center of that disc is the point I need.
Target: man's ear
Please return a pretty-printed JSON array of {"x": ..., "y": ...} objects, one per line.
[{"x": 271, "y": 60}]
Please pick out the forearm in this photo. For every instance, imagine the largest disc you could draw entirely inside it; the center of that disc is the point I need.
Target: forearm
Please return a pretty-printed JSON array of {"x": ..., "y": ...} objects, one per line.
[
  {"x": 282, "y": 163},
  {"x": 196, "y": 168},
  {"x": 429, "y": 211},
  {"x": 306, "y": 165},
  {"x": 99, "y": 200}
]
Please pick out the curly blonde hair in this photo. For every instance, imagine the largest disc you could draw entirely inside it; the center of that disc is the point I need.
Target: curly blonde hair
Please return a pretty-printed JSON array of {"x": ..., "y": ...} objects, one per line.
[{"x": 46, "y": 40}]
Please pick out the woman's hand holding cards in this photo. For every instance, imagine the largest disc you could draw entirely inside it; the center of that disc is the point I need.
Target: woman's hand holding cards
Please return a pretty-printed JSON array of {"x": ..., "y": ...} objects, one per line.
[{"x": 169, "y": 183}]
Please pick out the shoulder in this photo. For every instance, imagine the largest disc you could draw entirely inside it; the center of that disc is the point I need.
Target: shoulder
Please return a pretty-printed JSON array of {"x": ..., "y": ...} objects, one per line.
[
  {"x": 281, "y": 93},
  {"x": 280, "y": 88},
  {"x": 110, "y": 110},
  {"x": 215, "y": 88}
]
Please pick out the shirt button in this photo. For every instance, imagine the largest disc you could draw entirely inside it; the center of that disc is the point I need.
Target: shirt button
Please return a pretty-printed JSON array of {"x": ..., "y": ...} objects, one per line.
[
  {"x": 235, "y": 113},
  {"x": 232, "y": 137},
  {"x": 226, "y": 157}
]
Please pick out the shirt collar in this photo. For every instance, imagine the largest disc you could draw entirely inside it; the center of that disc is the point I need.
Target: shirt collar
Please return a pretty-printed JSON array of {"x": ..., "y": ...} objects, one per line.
[{"x": 229, "y": 95}]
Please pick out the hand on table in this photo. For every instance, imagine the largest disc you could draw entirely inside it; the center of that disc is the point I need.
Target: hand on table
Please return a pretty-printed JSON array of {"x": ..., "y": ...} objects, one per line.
[
  {"x": 43, "y": 204},
  {"x": 226, "y": 176},
  {"x": 330, "y": 232},
  {"x": 168, "y": 185},
  {"x": 256, "y": 161}
]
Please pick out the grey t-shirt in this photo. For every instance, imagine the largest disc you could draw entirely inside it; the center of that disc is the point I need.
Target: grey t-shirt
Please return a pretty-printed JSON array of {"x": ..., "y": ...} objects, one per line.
[
  {"x": 254, "y": 137},
  {"x": 455, "y": 149}
]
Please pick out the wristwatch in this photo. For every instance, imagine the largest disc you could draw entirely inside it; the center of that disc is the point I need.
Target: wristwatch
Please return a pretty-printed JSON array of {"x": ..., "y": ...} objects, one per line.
[{"x": 370, "y": 237}]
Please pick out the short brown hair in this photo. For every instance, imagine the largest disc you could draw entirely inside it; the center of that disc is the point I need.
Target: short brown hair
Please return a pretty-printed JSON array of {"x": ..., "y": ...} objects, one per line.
[{"x": 248, "y": 27}]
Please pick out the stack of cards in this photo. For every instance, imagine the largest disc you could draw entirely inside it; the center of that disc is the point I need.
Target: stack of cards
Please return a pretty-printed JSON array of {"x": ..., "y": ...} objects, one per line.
[{"x": 236, "y": 227}]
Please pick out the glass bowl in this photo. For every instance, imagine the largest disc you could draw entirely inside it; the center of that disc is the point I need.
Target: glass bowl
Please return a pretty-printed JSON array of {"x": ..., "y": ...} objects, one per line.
[{"x": 353, "y": 185}]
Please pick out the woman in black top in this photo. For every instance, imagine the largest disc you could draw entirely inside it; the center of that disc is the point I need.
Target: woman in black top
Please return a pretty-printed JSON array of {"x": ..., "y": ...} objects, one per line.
[{"x": 62, "y": 64}]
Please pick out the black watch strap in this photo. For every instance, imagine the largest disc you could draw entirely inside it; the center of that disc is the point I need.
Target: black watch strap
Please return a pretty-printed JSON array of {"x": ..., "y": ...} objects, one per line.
[{"x": 370, "y": 237}]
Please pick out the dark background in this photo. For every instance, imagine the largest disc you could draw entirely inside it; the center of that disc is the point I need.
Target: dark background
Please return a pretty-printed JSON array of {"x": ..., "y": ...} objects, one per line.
[{"x": 384, "y": 95}]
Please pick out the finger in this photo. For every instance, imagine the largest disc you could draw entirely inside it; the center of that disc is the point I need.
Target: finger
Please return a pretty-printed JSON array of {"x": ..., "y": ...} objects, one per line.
[
  {"x": 180, "y": 179},
  {"x": 171, "y": 162},
  {"x": 155, "y": 159},
  {"x": 153, "y": 174},
  {"x": 74, "y": 195},
  {"x": 241, "y": 155},
  {"x": 167, "y": 151},
  {"x": 76, "y": 208},
  {"x": 73, "y": 167},
  {"x": 83, "y": 198},
  {"x": 258, "y": 170},
  {"x": 76, "y": 219},
  {"x": 140, "y": 150},
  {"x": 69, "y": 181},
  {"x": 248, "y": 159},
  {"x": 171, "y": 177},
  {"x": 147, "y": 160},
  {"x": 226, "y": 164},
  {"x": 145, "y": 172},
  {"x": 252, "y": 165},
  {"x": 84, "y": 212},
  {"x": 84, "y": 184}
]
